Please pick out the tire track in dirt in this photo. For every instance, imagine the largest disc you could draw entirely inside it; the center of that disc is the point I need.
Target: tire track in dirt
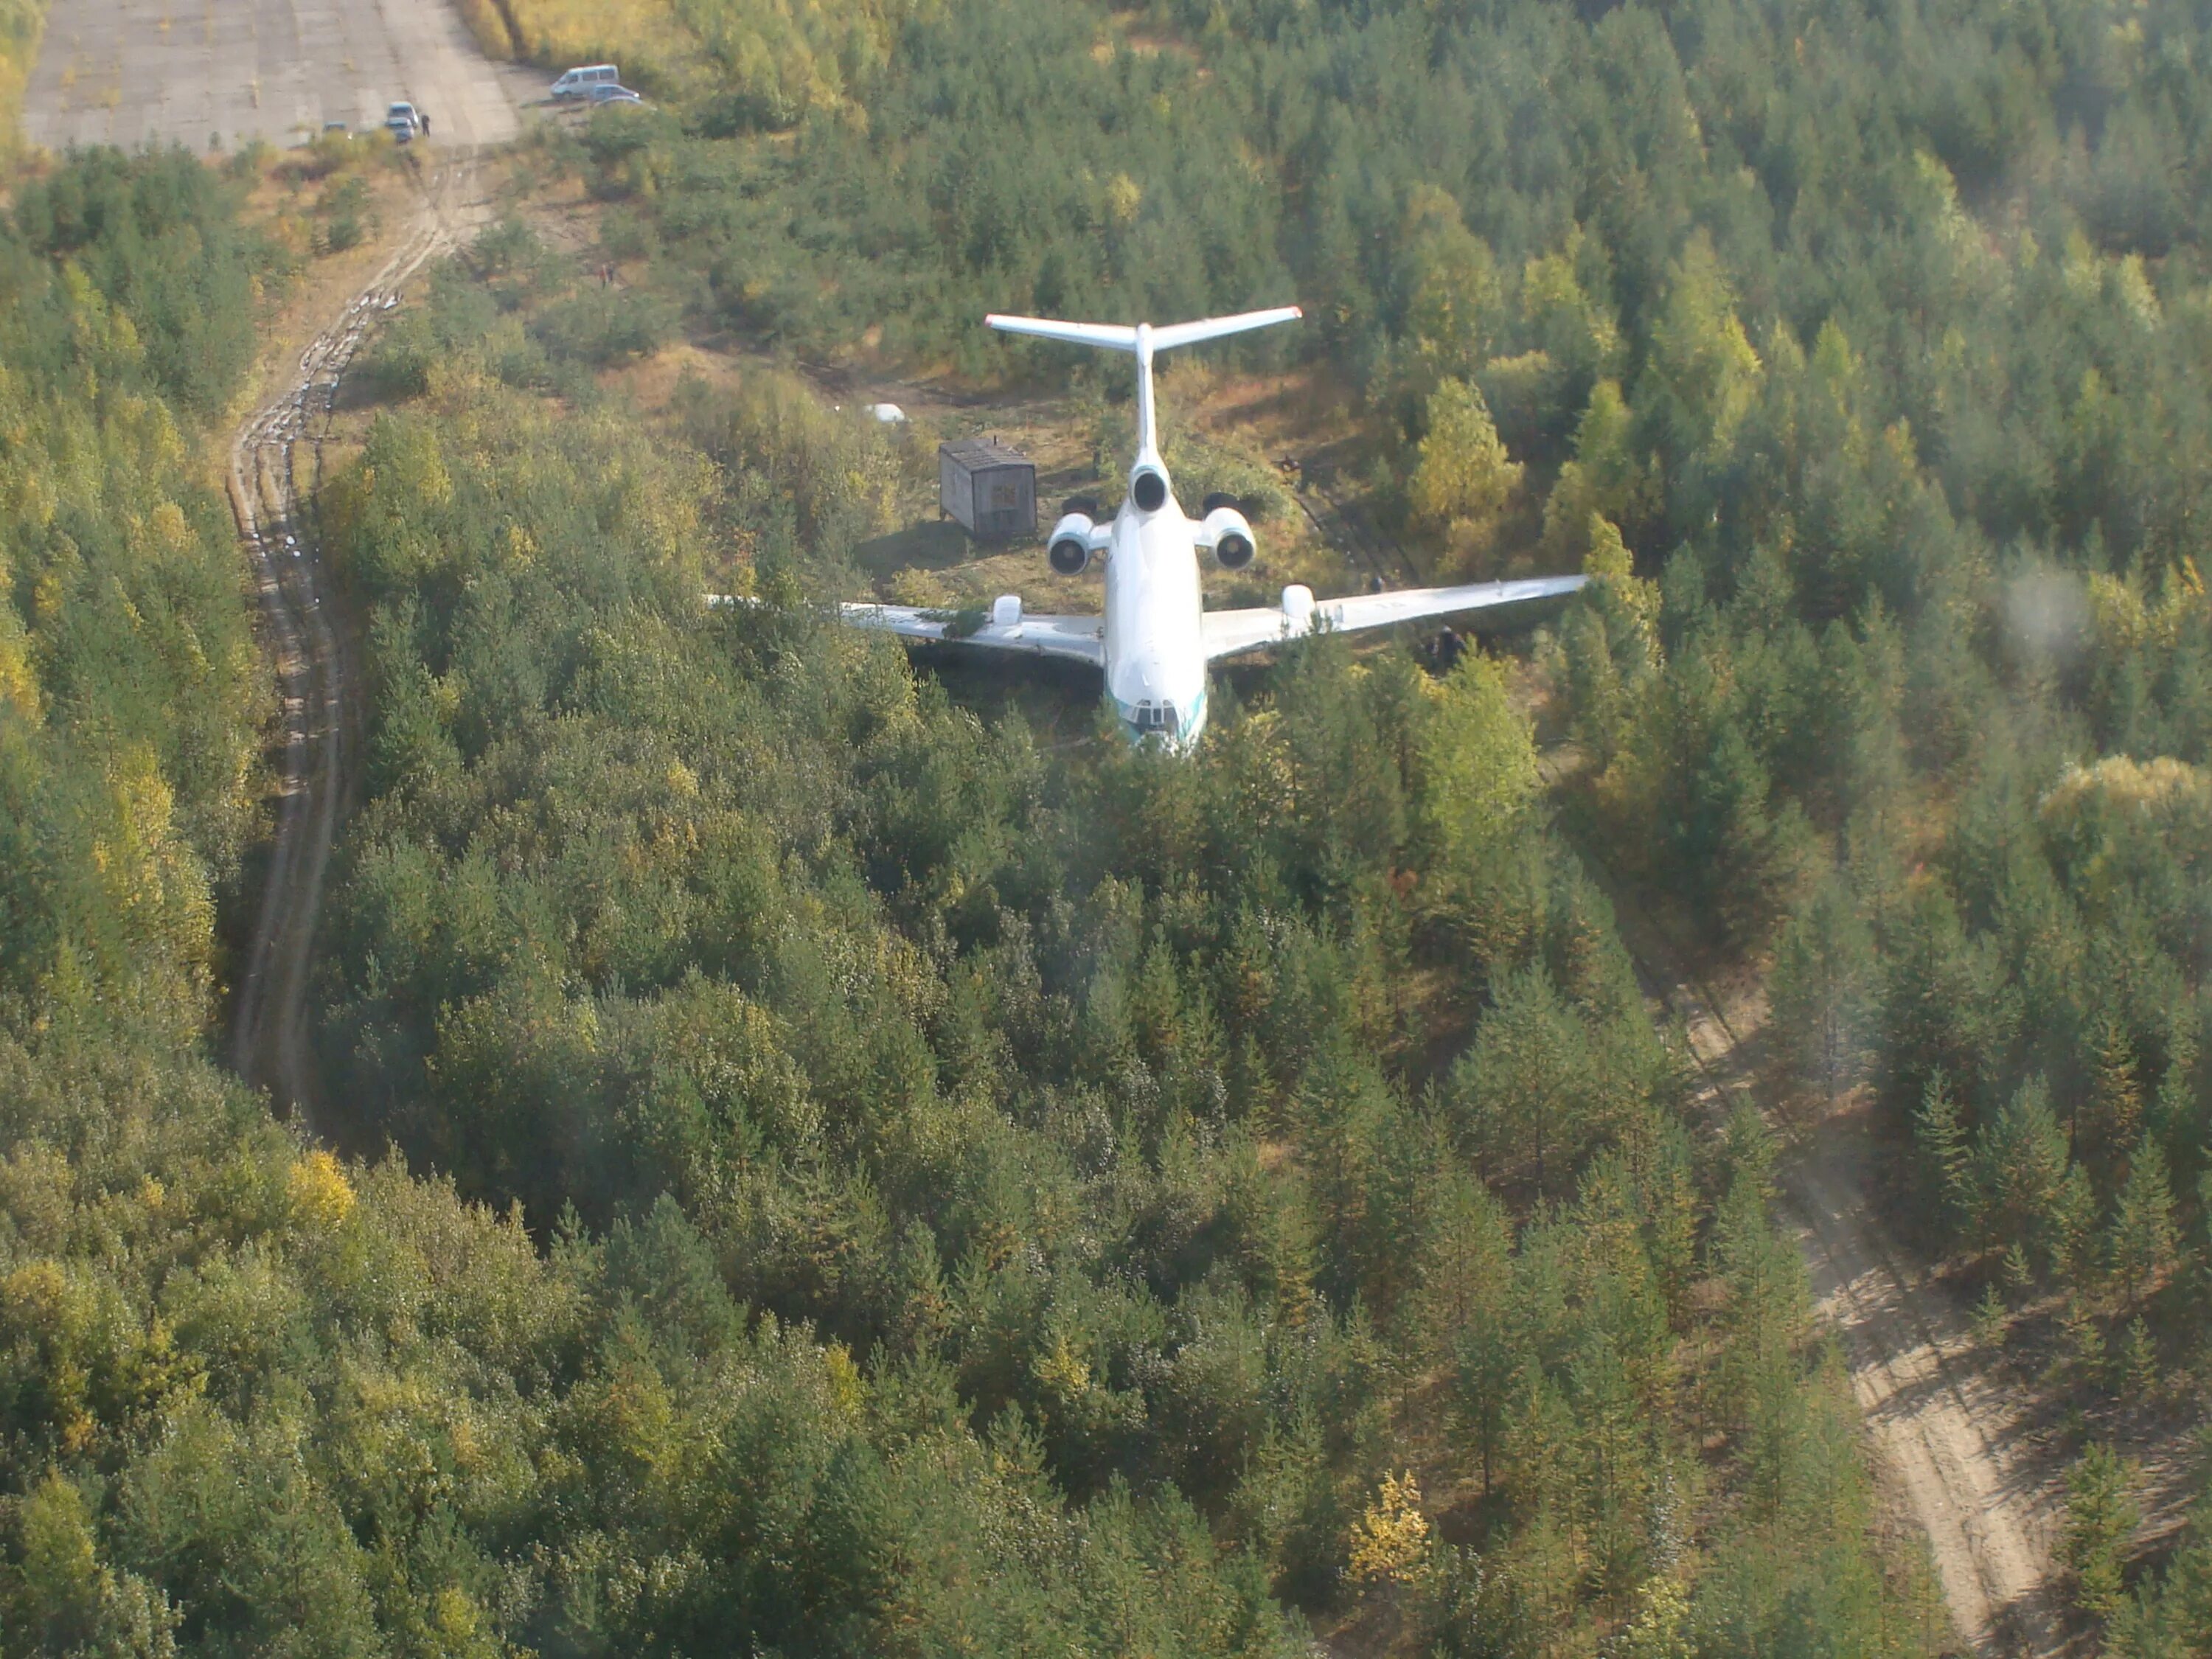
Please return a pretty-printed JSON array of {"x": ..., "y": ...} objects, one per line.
[
  {"x": 1944, "y": 1433},
  {"x": 269, "y": 1029}
]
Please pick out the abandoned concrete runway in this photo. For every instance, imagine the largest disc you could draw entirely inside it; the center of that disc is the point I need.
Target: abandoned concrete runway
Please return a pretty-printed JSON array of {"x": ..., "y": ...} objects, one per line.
[{"x": 220, "y": 73}]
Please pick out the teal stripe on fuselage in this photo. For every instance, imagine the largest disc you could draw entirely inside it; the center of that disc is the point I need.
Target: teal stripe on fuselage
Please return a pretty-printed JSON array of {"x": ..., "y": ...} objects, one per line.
[{"x": 1188, "y": 725}]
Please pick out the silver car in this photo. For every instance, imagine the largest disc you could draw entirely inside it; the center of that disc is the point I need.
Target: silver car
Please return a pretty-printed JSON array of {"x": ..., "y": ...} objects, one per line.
[{"x": 579, "y": 81}]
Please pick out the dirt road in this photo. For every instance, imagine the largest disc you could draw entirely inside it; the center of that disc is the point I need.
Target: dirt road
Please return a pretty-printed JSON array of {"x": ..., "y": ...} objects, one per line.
[
  {"x": 1950, "y": 1441},
  {"x": 270, "y": 496}
]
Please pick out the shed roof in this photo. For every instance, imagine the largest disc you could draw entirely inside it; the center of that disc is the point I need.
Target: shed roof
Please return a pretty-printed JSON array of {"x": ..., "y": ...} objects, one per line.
[{"x": 977, "y": 454}]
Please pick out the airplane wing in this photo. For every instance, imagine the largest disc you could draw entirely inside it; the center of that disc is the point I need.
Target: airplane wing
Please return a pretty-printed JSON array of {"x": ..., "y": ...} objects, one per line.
[
  {"x": 1229, "y": 632},
  {"x": 1076, "y": 639}
]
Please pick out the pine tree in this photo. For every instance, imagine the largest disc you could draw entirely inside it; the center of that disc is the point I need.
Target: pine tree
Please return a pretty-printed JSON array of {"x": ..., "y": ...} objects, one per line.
[
  {"x": 1487, "y": 1379},
  {"x": 2115, "y": 1099},
  {"x": 1610, "y": 643},
  {"x": 1743, "y": 853},
  {"x": 2101, "y": 1515},
  {"x": 2173, "y": 1109},
  {"x": 1946, "y": 1160},
  {"x": 2135, "y": 1361},
  {"x": 1768, "y": 1301},
  {"x": 1524, "y": 1089},
  {"x": 1464, "y": 1263},
  {"x": 1939, "y": 1013},
  {"x": 1822, "y": 988},
  {"x": 2037, "y": 1200},
  {"x": 1867, "y": 679},
  {"x": 2140, "y": 1243},
  {"x": 1991, "y": 1318},
  {"x": 1597, "y": 688}
]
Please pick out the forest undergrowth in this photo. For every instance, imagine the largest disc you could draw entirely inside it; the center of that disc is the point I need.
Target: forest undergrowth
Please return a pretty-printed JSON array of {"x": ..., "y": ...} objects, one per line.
[
  {"x": 1858, "y": 351},
  {"x": 837, "y": 1176},
  {"x": 885, "y": 1186}
]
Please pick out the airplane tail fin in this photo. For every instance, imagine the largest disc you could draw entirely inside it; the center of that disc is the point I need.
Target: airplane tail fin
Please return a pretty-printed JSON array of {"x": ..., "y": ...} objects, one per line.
[{"x": 1143, "y": 341}]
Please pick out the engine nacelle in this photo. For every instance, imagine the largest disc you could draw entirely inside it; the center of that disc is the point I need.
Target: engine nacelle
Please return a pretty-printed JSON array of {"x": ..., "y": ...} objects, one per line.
[
  {"x": 1069, "y": 550},
  {"x": 1230, "y": 535},
  {"x": 1298, "y": 609}
]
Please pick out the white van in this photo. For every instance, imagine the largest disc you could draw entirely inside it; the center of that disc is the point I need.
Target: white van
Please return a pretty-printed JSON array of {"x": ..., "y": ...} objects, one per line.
[{"x": 579, "y": 83}]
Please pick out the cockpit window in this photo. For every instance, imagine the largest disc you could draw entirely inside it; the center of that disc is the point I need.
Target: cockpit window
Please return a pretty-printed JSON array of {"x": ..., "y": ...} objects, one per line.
[{"x": 1152, "y": 717}]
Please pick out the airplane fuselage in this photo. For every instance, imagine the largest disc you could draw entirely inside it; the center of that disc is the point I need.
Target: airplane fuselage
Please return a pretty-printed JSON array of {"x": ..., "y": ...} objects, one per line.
[{"x": 1155, "y": 640}]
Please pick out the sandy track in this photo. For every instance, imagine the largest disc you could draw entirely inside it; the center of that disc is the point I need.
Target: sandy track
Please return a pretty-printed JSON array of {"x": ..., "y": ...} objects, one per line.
[
  {"x": 1943, "y": 1431},
  {"x": 1948, "y": 1440},
  {"x": 269, "y": 1032}
]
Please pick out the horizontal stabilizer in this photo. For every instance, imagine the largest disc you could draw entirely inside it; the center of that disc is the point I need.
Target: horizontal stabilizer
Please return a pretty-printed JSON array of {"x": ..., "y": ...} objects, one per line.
[
  {"x": 1183, "y": 334},
  {"x": 1141, "y": 343},
  {"x": 1112, "y": 336}
]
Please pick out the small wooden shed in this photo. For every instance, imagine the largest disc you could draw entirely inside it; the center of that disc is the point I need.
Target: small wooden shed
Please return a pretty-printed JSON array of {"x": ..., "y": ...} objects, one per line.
[{"x": 989, "y": 487}]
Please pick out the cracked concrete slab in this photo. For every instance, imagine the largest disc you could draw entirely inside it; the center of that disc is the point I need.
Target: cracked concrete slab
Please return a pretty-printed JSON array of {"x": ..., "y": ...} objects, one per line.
[{"x": 220, "y": 73}]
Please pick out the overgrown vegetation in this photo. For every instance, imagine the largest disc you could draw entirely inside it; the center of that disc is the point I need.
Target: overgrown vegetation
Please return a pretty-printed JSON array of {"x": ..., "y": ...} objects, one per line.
[
  {"x": 749, "y": 65},
  {"x": 128, "y": 669},
  {"x": 21, "y": 22},
  {"x": 978, "y": 1195},
  {"x": 1860, "y": 352},
  {"x": 963, "y": 1196},
  {"x": 1091, "y": 1088}
]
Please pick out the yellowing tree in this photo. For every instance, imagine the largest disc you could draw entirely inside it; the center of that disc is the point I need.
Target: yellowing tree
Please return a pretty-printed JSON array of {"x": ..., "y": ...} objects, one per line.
[
  {"x": 149, "y": 879},
  {"x": 19, "y": 685},
  {"x": 1477, "y": 774},
  {"x": 1703, "y": 374},
  {"x": 1606, "y": 477},
  {"x": 1455, "y": 300},
  {"x": 1609, "y": 561},
  {"x": 1660, "y": 1629},
  {"x": 1389, "y": 1542},
  {"x": 321, "y": 1197},
  {"x": 1124, "y": 195},
  {"x": 1464, "y": 477},
  {"x": 1575, "y": 332}
]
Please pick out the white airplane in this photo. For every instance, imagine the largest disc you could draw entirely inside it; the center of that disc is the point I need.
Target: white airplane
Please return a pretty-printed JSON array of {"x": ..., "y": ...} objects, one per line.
[{"x": 1157, "y": 637}]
